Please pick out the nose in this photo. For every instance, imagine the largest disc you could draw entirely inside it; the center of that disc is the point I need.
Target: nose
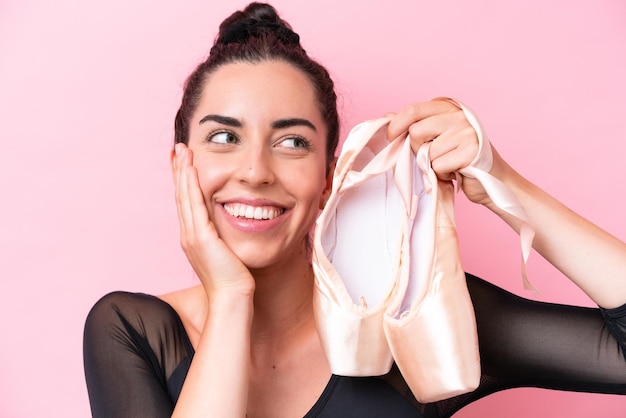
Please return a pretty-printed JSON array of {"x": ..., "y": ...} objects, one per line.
[{"x": 256, "y": 168}]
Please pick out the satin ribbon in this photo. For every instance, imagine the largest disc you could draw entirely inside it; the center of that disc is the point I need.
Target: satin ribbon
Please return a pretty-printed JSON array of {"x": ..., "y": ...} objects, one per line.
[
  {"x": 499, "y": 192},
  {"x": 479, "y": 168}
]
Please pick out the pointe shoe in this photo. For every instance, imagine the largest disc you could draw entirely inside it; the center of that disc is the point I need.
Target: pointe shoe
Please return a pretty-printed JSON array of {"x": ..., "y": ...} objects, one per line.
[
  {"x": 433, "y": 336},
  {"x": 388, "y": 278},
  {"x": 359, "y": 240}
]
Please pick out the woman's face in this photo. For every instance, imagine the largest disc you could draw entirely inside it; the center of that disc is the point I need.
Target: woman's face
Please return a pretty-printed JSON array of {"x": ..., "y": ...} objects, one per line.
[{"x": 259, "y": 141}]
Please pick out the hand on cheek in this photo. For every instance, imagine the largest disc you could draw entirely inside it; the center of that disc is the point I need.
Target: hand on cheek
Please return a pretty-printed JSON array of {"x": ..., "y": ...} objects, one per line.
[{"x": 214, "y": 263}]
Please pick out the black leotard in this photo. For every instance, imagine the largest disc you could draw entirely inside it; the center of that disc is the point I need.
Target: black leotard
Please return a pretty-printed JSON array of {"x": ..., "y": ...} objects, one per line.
[{"x": 137, "y": 354}]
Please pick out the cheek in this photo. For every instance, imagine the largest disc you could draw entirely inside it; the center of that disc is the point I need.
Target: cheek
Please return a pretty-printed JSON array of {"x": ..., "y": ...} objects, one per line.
[
  {"x": 210, "y": 177},
  {"x": 206, "y": 187},
  {"x": 309, "y": 183}
]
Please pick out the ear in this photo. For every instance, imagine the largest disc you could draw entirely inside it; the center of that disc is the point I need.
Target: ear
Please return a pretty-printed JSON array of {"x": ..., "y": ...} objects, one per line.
[{"x": 328, "y": 187}]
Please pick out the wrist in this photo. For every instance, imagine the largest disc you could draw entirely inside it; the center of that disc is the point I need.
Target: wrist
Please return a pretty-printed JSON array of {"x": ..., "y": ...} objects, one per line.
[
  {"x": 231, "y": 300},
  {"x": 237, "y": 287}
]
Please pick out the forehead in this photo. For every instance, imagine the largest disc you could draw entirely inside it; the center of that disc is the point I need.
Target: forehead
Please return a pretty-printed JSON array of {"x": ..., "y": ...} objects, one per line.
[{"x": 268, "y": 89}]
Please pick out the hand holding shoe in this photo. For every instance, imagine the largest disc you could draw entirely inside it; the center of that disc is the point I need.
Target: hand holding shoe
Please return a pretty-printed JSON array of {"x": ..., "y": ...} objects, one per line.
[{"x": 459, "y": 148}]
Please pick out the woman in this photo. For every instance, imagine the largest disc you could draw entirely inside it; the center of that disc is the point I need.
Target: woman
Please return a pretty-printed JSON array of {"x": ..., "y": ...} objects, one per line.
[{"x": 255, "y": 139}]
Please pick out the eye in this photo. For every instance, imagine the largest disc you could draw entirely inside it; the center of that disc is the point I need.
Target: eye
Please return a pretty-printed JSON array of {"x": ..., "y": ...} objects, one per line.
[
  {"x": 295, "y": 142},
  {"x": 223, "y": 137}
]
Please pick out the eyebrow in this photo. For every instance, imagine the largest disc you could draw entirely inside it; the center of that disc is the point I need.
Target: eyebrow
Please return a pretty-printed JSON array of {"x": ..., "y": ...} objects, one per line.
[
  {"x": 224, "y": 120},
  {"x": 288, "y": 123},
  {"x": 279, "y": 124}
]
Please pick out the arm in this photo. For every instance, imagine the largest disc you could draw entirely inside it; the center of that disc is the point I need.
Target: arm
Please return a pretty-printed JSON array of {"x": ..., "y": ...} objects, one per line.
[
  {"x": 525, "y": 343},
  {"x": 133, "y": 344},
  {"x": 589, "y": 256},
  {"x": 217, "y": 382}
]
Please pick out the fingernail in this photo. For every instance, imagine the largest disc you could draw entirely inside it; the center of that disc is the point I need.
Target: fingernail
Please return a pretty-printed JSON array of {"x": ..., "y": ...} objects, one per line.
[{"x": 177, "y": 148}]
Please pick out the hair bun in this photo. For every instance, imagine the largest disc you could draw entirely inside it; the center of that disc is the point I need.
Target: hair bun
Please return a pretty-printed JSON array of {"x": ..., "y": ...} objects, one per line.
[
  {"x": 256, "y": 20},
  {"x": 244, "y": 29}
]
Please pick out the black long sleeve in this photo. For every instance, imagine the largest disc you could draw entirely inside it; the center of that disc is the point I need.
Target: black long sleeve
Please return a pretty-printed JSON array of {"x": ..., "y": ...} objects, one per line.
[
  {"x": 137, "y": 354},
  {"x": 133, "y": 344},
  {"x": 524, "y": 343}
]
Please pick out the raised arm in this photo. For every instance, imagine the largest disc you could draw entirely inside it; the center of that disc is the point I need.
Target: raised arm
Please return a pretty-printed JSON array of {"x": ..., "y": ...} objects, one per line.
[{"x": 589, "y": 256}]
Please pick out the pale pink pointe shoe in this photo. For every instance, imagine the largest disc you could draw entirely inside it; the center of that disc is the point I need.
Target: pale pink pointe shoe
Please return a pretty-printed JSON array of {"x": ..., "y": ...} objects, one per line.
[
  {"x": 370, "y": 264},
  {"x": 433, "y": 336},
  {"x": 359, "y": 240}
]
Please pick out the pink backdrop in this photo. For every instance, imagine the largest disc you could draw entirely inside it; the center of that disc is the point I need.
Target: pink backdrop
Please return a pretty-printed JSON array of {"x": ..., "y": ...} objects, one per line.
[{"x": 87, "y": 97}]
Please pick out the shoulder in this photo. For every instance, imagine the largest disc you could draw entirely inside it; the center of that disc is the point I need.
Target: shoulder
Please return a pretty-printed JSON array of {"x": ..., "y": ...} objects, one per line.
[
  {"x": 127, "y": 303},
  {"x": 138, "y": 311},
  {"x": 130, "y": 335},
  {"x": 188, "y": 300},
  {"x": 137, "y": 322}
]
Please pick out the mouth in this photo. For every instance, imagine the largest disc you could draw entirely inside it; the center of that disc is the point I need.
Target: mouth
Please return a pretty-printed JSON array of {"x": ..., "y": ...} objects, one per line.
[{"x": 240, "y": 210}]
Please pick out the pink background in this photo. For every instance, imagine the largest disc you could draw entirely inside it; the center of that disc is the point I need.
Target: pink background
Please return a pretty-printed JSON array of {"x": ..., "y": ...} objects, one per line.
[{"x": 88, "y": 91}]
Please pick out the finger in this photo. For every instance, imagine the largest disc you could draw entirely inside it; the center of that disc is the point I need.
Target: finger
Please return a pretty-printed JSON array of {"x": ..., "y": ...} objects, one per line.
[
  {"x": 210, "y": 252},
  {"x": 197, "y": 205},
  {"x": 176, "y": 175},
  {"x": 433, "y": 127},
  {"x": 454, "y": 136},
  {"x": 452, "y": 151},
  {"x": 182, "y": 199},
  {"x": 416, "y": 112},
  {"x": 175, "y": 153}
]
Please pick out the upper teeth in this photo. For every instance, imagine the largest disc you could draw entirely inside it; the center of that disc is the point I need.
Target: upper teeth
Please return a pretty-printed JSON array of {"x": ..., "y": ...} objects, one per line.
[{"x": 252, "y": 212}]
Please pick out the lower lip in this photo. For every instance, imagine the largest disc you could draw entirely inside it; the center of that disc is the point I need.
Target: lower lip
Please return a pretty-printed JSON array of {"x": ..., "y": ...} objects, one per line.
[{"x": 253, "y": 225}]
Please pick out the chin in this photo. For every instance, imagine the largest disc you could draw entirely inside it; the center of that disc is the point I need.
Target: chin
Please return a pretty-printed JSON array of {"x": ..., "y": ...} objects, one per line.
[{"x": 255, "y": 256}]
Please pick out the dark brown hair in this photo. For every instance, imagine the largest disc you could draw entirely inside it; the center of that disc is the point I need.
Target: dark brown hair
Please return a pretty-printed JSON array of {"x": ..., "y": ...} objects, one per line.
[{"x": 254, "y": 35}]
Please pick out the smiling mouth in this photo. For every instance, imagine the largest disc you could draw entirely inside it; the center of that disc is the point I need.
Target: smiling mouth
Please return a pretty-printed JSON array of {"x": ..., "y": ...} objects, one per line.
[{"x": 240, "y": 210}]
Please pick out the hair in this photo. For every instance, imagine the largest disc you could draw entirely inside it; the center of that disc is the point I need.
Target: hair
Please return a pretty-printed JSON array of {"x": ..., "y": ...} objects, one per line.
[{"x": 253, "y": 35}]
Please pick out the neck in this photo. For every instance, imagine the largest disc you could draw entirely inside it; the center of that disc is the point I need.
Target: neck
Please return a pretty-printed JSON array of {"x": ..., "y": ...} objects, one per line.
[
  {"x": 283, "y": 326},
  {"x": 283, "y": 301}
]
